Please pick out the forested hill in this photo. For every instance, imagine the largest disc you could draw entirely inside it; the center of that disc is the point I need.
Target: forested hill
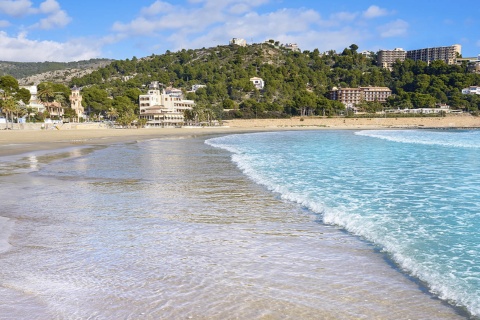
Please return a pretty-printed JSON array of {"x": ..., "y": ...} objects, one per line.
[
  {"x": 295, "y": 82},
  {"x": 34, "y": 70}
]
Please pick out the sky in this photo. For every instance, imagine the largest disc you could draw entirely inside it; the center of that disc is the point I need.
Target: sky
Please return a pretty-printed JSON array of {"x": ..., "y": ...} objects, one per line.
[{"x": 68, "y": 30}]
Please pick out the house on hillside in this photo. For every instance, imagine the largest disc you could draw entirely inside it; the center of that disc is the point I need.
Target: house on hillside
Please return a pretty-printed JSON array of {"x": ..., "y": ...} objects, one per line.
[
  {"x": 258, "y": 82},
  {"x": 239, "y": 42},
  {"x": 471, "y": 90}
]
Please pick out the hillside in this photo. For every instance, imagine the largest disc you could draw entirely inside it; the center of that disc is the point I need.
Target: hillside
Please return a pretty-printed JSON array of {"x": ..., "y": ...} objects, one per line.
[
  {"x": 296, "y": 83},
  {"x": 28, "y": 73}
]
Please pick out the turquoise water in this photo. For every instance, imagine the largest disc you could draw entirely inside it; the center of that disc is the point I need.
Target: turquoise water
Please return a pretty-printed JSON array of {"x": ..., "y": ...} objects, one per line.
[{"x": 415, "y": 194}]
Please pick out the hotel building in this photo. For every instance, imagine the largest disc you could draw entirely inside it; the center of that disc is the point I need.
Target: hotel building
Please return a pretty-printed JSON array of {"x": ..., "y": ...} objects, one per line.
[
  {"x": 163, "y": 107},
  {"x": 448, "y": 54},
  {"x": 350, "y": 97},
  {"x": 386, "y": 58}
]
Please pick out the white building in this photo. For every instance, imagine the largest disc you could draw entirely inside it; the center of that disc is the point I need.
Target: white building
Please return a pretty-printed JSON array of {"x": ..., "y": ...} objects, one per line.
[
  {"x": 34, "y": 103},
  {"x": 239, "y": 42},
  {"x": 195, "y": 87},
  {"x": 471, "y": 90},
  {"x": 292, "y": 46},
  {"x": 258, "y": 82},
  {"x": 163, "y": 108}
]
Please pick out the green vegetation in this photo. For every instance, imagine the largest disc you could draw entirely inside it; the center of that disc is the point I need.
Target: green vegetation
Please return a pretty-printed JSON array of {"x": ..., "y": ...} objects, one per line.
[{"x": 296, "y": 83}]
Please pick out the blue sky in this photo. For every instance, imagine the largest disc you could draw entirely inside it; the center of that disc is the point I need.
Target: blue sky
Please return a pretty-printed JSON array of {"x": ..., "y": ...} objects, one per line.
[{"x": 67, "y": 30}]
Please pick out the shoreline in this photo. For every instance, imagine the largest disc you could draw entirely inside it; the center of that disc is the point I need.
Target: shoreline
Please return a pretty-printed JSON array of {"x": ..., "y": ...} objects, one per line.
[{"x": 18, "y": 141}]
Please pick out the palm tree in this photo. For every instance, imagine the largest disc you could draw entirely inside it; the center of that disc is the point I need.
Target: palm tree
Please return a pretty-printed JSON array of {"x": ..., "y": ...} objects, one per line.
[
  {"x": 112, "y": 113},
  {"x": 29, "y": 112},
  {"x": 46, "y": 94},
  {"x": 18, "y": 111},
  {"x": 8, "y": 107}
]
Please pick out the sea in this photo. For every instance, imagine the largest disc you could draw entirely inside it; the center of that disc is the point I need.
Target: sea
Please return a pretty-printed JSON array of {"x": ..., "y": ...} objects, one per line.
[{"x": 320, "y": 224}]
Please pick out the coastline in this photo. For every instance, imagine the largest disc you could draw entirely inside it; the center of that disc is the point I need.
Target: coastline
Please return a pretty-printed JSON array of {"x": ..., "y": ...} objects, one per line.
[{"x": 18, "y": 141}]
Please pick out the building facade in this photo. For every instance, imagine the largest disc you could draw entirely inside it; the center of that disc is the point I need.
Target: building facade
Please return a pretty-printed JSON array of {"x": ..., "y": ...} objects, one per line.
[
  {"x": 350, "y": 97},
  {"x": 386, "y": 58},
  {"x": 76, "y": 102},
  {"x": 163, "y": 107},
  {"x": 447, "y": 54}
]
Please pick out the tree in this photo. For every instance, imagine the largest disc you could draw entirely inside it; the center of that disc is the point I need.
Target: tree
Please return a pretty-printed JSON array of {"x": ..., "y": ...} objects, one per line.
[
  {"x": 112, "y": 113},
  {"x": 46, "y": 93},
  {"x": 8, "y": 108},
  {"x": 9, "y": 84},
  {"x": 24, "y": 95}
]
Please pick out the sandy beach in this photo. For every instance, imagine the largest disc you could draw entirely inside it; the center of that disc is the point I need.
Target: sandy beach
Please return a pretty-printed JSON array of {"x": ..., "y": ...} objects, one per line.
[{"x": 31, "y": 138}]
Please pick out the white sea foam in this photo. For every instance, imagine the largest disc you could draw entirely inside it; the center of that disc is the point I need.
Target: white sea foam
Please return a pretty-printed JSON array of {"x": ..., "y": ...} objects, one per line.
[{"x": 460, "y": 139}]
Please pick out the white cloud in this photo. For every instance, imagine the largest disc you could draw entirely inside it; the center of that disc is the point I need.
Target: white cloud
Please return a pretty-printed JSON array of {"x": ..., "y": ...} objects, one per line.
[
  {"x": 56, "y": 19},
  {"x": 156, "y": 8},
  {"x": 21, "y": 49},
  {"x": 4, "y": 23},
  {"x": 49, "y": 6},
  {"x": 395, "y": 28},
  {"x": 55, "y": 16},
  {"x": 15, "y": 8},
  {"x": 374, "y": 12}
]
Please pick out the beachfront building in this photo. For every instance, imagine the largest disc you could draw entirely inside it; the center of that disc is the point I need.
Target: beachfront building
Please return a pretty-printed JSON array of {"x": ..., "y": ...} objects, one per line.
[
  {"x": 447, "y": 54},
  {"x": 258, "y": 82},
  {"x": 163, "y": 107},
  {"x": 471, "y": 90},
  {"x": 76, "y": 103},
  {"x": 34, "y": 103},
  {"x": 239, "y": 42},
  {"x": 350, "y": 97},
  {"x": 55, "y": 109},
  {"x": 386, "y": 58}
]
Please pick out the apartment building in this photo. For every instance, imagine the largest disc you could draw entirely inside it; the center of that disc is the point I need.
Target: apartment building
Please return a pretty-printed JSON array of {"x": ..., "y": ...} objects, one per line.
[
  {"x": 386, "y": 58},
  {"x": 448, "y": 54},
  {"x": 350, "y": 97},
  {"x": 163, "y": 108}
]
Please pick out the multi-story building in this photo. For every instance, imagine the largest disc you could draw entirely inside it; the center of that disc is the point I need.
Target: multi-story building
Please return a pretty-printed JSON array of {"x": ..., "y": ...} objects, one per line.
[
  {"x": 34, "y": 102},
  {"x": 163, "y": 108},
  {"x": 350, "y": 97},
  {"x": 386, "y": 58},
  {"x": 448, "y": 54},
  {"x": 76, "y": 102}
]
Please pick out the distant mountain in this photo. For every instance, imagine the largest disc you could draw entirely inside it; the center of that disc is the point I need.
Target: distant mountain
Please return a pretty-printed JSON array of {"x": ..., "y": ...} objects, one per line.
[{"x": 32, "y": 73}]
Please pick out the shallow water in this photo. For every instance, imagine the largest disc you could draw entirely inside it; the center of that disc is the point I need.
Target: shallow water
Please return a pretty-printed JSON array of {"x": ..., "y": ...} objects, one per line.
[{"x": 172, "y": 229}]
